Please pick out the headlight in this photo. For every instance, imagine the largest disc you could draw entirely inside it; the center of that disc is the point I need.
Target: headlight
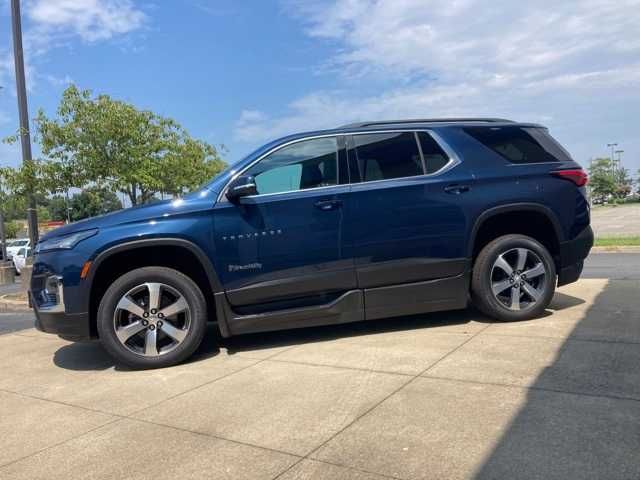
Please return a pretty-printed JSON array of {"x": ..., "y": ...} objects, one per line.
[{"x": 65, "y": 242}]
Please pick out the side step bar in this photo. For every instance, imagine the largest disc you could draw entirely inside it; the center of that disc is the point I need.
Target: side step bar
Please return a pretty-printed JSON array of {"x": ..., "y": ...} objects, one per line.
[
  {"x": 349, "y": 307},
  {"x": 448, "y": 293}
]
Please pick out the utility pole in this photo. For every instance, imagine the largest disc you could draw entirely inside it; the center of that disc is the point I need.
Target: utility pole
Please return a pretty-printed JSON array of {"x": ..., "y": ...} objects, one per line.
[{"x": 25, "y": 137}]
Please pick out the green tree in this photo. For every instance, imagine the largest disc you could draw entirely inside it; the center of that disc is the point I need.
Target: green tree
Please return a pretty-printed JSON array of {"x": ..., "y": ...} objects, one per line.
[
  {"x": 57, "y": 207},
  {"x": 14, "y": 184},
  {"x": 93, "y": 201},
  {"x": 112, "y": 144},
  {"x": 623, "y": 182},
  {"x": 11, "y": 229},
  {"x": 601, "y": 177},
  {"x": 43, "y": 214}
]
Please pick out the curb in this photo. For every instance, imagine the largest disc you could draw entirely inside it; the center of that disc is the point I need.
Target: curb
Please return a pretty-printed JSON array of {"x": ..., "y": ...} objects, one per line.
[
  {"x": 616, "y": 249},
  {"x": 13, "y": 305}
]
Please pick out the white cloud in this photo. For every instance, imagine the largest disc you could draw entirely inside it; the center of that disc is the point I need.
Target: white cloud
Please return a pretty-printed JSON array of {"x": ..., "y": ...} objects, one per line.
[
  {"x": 4, "y": 118},
  {"x": 10, "y": 154},
  {"x": 562, "y": 63},
  {"x": 6, "y": 67},
  {"x": 58, "y": 81},
  {"x": 91, "y": 20}
]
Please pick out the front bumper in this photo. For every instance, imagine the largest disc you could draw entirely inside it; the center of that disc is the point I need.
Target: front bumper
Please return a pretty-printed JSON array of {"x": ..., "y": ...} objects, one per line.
[
  {"x": 51, "y": 315},
  {"x": 572, "y": 255}
]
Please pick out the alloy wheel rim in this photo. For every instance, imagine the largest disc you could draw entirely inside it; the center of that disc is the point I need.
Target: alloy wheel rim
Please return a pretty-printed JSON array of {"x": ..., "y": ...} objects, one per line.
[
  {"x": 518, "y": 279},
  {"x": 152, "y": 319}
]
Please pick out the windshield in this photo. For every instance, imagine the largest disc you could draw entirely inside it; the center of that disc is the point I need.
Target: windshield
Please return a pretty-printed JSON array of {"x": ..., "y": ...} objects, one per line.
[{"x": 18, "y": 243}]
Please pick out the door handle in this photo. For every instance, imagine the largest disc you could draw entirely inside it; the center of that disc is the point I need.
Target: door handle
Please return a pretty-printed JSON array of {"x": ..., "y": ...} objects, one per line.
[
  {"x": 456, "y": 189},
  {"x": 328, "y": 204}
]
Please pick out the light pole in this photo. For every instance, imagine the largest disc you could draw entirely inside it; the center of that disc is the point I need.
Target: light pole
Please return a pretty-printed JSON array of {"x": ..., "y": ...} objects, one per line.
[
  {"x": 25, "y": 137},
  {"x": 612, "y": 145}
]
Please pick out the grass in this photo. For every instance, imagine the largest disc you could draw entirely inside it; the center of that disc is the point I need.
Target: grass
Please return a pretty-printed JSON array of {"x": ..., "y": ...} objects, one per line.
[{"x": 633, "y": 241}]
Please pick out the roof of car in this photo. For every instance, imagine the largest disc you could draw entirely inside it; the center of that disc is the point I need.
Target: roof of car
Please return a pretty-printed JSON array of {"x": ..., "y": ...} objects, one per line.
[
  {"x": 454, "y": 120},
  {"x": 412, "y": 123}
]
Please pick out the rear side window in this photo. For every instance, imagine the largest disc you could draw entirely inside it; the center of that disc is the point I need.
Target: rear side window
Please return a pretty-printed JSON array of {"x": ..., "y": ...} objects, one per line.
[
  {"x": 382, "y": 156},
  {"x": 434, "y": 156},
  {"x": 520, "y": 144}
]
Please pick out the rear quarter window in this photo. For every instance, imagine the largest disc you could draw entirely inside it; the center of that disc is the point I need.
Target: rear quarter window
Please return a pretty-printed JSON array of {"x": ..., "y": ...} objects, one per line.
[{"x": 520, "y": 144}]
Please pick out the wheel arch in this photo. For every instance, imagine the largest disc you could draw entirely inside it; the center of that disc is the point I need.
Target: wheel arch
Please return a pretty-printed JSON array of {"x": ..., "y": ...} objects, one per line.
[
  {"x": 139, "y": 253},
  {"x": 479, "y": 236}
]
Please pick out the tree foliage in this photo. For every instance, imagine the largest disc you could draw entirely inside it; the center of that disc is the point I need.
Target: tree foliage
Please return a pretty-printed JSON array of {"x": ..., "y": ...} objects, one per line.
[
  {"x": 112, "y": 144},
  {"x": 93, "y": 201},
  {"x": 11, "y": 229},
  {"x": 607, "y": 180}
]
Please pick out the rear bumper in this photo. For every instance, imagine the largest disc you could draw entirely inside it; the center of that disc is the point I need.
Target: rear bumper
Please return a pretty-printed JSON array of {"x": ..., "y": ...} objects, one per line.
[{"x": 572, "y": 255}]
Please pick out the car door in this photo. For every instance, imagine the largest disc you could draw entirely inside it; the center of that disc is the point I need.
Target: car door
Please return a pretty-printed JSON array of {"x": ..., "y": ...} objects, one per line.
[
  {"x": 284, "y": 247},
  {"x": 407, "y": 221}
]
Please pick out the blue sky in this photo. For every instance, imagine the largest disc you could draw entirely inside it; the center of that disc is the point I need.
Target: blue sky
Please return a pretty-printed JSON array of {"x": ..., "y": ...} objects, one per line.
[{"x": 240, "y": 73}]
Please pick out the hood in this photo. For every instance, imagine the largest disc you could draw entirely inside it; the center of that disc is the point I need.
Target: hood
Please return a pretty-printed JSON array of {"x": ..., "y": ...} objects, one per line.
[{"x": 195, "y": 201}]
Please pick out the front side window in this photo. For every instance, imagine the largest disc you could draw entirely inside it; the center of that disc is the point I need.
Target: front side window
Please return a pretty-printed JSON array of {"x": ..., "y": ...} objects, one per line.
[
  {"x": 300, "y": 166},
  {"x": 382, "y": 156}
]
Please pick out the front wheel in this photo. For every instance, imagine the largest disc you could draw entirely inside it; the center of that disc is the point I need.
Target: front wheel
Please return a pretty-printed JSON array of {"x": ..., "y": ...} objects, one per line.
[
  {"x": 152, "y": 317},
  {"x": 514, "y": 278}
]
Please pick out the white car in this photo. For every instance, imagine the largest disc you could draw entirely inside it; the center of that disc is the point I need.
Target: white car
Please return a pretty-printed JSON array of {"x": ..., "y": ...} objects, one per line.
[
  {"x": 20, "y": 258},
  {"x": 14, "y": 246}
]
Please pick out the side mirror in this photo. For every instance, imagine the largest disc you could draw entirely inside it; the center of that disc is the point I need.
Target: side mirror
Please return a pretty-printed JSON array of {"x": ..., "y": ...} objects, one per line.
[{"x": 242, "y": 186}]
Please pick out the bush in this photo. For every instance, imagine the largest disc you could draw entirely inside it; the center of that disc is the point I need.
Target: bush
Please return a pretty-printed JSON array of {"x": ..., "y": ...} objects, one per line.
[{"x": 11, "y": 229}]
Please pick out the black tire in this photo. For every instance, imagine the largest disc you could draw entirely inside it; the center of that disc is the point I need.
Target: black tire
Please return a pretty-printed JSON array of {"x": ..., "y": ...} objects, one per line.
[
  {"x": 193, "y": 296},
  {"x": 483, "y": 269}
]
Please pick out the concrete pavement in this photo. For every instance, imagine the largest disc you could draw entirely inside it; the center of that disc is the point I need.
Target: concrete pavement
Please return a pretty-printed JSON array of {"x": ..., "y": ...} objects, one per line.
[
  {"x": 623, "y": 220},
  {"x": 11, "y": 288},
  {"x": 443, "y": 396}
]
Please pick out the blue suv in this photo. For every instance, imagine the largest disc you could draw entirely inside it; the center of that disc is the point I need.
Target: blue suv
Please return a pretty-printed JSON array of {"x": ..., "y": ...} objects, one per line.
[{"x": 370, "y": 220}]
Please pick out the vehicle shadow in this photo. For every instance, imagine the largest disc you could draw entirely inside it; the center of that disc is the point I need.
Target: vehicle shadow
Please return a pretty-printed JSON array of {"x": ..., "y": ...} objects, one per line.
[
  {"x": 91, "y": 356},
  {"x": 284, "y": 338},
  {"x": 581, "y": 415}
]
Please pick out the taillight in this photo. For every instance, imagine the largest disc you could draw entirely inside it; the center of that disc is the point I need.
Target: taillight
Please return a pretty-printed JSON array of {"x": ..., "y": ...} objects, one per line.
[{"x": 576, "y": 175}]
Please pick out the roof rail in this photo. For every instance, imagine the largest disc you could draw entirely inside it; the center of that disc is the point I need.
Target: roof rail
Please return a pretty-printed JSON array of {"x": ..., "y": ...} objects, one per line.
[{"x": 426, "y": 120}]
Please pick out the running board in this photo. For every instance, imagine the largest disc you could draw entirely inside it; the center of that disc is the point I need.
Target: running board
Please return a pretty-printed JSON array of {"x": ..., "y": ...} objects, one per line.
[
  {"x": 349, "y": 307},
  {"x": 420, "y": 297}
]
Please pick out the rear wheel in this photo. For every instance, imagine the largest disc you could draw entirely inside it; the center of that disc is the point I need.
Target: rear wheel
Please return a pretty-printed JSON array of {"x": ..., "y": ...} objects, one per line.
[
  {"x": 152, "y": 317},
  {"x": 514, "y": 278}
]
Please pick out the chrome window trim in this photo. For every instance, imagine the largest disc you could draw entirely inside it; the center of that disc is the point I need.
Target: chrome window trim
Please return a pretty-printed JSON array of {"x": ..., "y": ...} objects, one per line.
[
  {"x": 453, "y": 162},
  {"x": 262, "y": 195}
]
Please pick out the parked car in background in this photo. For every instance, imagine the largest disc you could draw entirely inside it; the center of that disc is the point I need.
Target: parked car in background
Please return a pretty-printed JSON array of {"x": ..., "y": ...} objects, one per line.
[
  {"x": 367, "y": 221},
  {"x": 19, "y": 259},
  {"x": 14, "y": 246}
]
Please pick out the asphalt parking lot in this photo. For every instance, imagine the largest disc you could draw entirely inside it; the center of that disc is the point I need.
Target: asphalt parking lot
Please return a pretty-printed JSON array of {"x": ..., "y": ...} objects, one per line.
[{"x": 442, "y": 396}]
